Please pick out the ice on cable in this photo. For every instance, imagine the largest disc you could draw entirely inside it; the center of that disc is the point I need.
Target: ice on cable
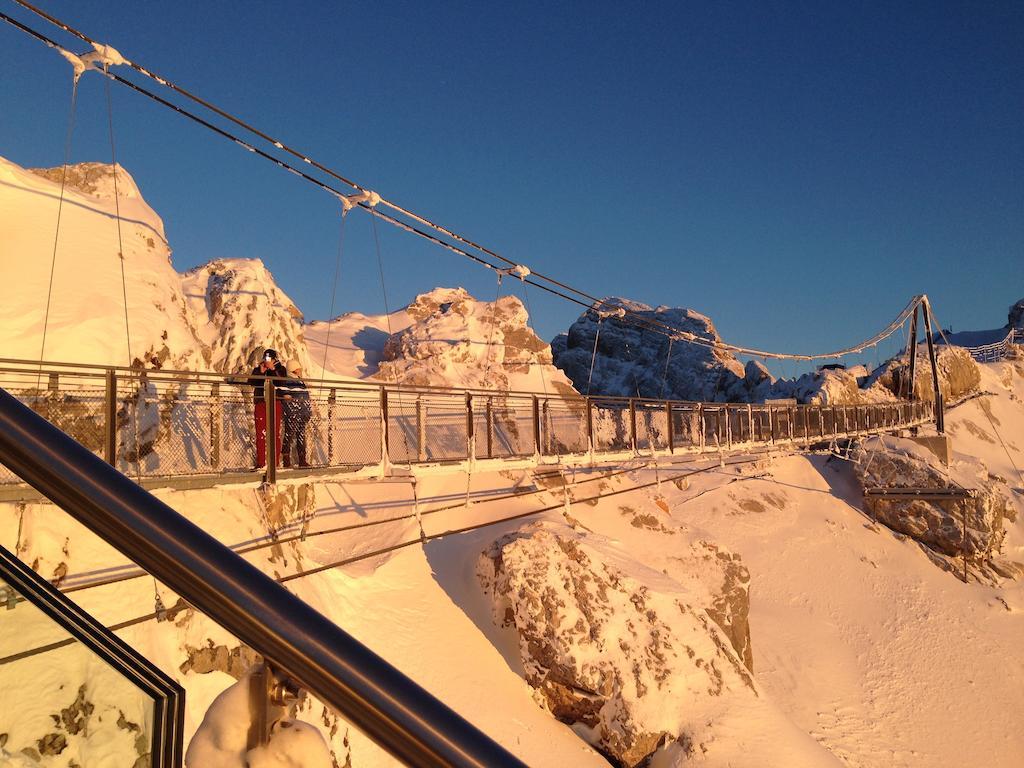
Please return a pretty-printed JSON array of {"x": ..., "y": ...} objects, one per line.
[
  {"x": 348, "y": 202},
  {"x": 100, "y": 59}
]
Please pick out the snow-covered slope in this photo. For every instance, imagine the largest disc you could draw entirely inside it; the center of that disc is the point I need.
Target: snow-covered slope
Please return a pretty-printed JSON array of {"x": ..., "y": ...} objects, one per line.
[
  {"x": 87, "y": 312},
  {"x": 217, "y": 317}
]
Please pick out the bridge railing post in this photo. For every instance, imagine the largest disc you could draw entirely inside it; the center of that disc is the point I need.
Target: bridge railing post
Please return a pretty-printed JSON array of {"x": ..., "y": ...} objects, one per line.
[
  {"x": 632, "y": 425},
  {"x": 701, "y": 431},
  {"x": 590, "y": 426},
  {"x": 489, "y": 424},
  {"x": 385, "y": 458},
  {"x": 671, "y": 429},
  {"x": 216, "y": 421},
  {"x": 421, "y": 429},
  {"x": 470, "y": 428},
  {"x": 332, "y": 398},
  {"x": 110, "y": 418},
  {"x": 537, "y": 448},
  {"x": 270, "y": 404}
]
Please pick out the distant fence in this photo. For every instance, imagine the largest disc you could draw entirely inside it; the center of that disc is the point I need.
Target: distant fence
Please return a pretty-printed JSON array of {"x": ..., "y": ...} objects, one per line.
[
  {"x": 987, "y": 353},
  {"x": 166, "y": 424}
]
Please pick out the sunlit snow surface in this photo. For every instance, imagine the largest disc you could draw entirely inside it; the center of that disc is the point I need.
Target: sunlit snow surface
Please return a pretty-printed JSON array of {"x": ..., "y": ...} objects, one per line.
[{"x": 865, "y": 653}]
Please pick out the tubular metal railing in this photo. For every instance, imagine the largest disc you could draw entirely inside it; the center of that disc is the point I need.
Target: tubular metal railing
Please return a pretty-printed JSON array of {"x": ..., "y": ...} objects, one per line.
[
  {"x": 167, "y": 424},
  {"x": 308, "y": 649}
]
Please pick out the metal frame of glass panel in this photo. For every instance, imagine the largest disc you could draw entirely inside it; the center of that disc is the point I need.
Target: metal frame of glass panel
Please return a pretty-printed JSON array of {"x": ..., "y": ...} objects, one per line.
[{"x": 168, "y": 697}]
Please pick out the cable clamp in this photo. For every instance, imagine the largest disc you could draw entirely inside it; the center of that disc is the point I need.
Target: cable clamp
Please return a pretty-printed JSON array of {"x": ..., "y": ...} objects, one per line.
[
  {"x": 367, "y": 197},
  {"x": 604, "y": 314},
  {"x": 519, "y": 270},
  {"x": 100, "y": 59}
]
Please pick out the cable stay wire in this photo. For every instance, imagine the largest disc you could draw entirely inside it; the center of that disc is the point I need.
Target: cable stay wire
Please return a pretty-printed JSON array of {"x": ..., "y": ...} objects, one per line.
[
  {"x": 561, "y": 289},
  {"x": 56, "y": 232}
]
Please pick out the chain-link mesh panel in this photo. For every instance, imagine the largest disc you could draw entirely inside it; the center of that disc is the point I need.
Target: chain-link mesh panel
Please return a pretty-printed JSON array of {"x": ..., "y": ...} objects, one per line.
[
  {"x": 762, "y": 423},
  {"x": 354, "y": 435},
  {"x": 512, "y": 427},
  {"x": 445, "y": 427},
  {"x": 563, "y": 427},
  {"x": 402, "y": 427},
  {"x": 611, "y": 426},
  {"x": 78, "y": 410},
  {"x": 685, "y": 426},
  {"x": 163, "y": 427},
  {"x": 739, "y": 425},
  {"x": 651, "y": 427},
  {"x": 502, "y": 426}
]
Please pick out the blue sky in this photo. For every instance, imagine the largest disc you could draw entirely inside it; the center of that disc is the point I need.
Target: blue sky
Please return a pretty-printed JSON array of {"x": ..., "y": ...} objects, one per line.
[{"x": 794, "y": 170}]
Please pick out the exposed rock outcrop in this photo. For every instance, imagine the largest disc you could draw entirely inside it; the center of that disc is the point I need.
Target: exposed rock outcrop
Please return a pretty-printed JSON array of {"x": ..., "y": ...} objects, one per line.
[
  {"x": 633, "y": 360},
  {"x": 455, "y": 340},
  {"x": 939, "y": 525},
  {"x": 613, "y": 647},
  {"x": 1015, "y": 317},
  {"x": 958, "y": 374},
  {"x": 240, "y": 310}
]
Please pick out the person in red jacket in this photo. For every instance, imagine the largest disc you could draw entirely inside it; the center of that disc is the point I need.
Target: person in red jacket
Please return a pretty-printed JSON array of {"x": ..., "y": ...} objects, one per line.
[{"x": 269, "y": 366}]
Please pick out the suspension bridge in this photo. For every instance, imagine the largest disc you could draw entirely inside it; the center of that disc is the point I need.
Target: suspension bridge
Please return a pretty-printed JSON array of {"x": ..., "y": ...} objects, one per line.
[{"x": 189, "y": 427}]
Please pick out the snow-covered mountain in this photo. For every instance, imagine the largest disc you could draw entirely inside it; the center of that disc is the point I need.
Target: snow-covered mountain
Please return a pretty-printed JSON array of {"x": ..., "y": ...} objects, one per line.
[
  {"x": 86, "y": 307},
  {"x": 747, "y": 614},
  {"x": 632, "y": 360},
  {"x": 239, "y": 311},
  {"x": 221, "y": 315},
  {"x": 445, "y": 337}
]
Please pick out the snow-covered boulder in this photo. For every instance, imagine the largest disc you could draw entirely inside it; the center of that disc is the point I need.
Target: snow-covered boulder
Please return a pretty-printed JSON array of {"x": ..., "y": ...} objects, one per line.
[
  {"x": 240, "y": 311},
  {"x": 634, "y": 361},
  {"x": 221, "y": 740},
  {"x": 454, "y": 340},
  {"x": 891, "y": 462},
  {"x": 611, "y": 646},
  {"x": 958, "y": 374}
]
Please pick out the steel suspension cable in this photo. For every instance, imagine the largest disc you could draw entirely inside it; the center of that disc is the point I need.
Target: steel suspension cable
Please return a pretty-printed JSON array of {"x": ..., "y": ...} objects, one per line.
[
  {"x": 334, "y": 293},
  {"x": 56, "y": 233}
]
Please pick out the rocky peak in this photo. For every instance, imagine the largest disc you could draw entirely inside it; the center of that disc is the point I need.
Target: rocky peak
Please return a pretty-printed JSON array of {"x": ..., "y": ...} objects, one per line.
[
  {"x": 633, "y": 360},
  {"x": 456, "y": 340},
  {"x": 240, "y": 310},
  {"x": 1015, "y": 317}
]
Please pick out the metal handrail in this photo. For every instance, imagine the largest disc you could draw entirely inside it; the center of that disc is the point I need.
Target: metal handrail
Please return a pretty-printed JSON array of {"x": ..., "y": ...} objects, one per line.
[{"x": 390, "y": 708}]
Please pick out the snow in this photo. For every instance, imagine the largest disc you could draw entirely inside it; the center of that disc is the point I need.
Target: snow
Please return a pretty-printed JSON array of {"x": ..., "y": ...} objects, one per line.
[
  {"x": 865, "y": 653},
  {"x": 221, "y": 740}
]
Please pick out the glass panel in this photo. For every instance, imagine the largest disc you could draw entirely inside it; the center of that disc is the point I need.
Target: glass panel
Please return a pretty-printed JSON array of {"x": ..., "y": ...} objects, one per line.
[{"x": 62, "y": 703}]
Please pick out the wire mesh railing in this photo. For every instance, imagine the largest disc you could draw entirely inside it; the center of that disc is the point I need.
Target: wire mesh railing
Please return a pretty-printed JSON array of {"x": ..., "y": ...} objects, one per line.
[{"x": 164, "y": 424}]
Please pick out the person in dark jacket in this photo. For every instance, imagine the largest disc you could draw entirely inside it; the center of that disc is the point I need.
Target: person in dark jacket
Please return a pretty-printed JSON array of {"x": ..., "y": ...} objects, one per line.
[
  {"x": 269, "y": 366},
  {"x": 297, "y": 412}
]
